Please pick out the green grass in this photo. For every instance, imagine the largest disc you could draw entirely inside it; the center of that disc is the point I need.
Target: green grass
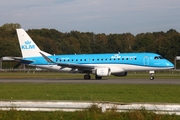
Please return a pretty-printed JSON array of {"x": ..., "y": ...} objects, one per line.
[
  {"x": 91, "y": 92},
  {"x": 36, "y": 74},
  {"x": 88, "y": 92},
  {"x": 93, "y": 113},
  {"x": 55, "y": 75}
]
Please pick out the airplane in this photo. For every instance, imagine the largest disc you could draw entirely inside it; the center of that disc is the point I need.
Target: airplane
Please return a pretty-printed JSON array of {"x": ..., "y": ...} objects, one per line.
[{"x": 101, "y": 65}]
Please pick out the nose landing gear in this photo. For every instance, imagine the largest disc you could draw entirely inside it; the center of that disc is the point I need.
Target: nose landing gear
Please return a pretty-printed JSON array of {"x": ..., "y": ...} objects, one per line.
[{"x": 151, "y": 75}]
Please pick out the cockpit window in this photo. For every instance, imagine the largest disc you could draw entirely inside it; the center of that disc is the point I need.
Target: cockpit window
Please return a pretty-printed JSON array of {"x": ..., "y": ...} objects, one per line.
[
  {"x": 161, "y": 57},
  {"x": 158, "y": 57}
]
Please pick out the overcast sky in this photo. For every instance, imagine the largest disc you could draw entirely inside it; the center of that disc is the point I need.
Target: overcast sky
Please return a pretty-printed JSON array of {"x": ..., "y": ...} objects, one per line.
[{"x": 98, "y": 16}]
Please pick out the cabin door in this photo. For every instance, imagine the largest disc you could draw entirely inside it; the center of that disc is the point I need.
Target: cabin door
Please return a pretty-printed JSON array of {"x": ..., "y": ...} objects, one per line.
[{"x": 146, "y": 60}]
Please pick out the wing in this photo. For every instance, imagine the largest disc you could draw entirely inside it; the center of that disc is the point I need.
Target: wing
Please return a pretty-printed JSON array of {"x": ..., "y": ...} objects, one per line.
[
  {"x": 70, "y": 65},
  {"x": 73, "y": 65}
]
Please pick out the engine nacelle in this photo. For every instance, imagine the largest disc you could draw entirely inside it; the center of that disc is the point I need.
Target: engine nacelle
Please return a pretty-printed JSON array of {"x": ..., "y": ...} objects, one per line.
[
  {"x": 103, "y": 72},
  {"x": 122, "y": 74}
]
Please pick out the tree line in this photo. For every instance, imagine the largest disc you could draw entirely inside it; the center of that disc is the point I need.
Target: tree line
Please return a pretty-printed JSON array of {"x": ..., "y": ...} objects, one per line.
[{"x": 53, "y": 41}]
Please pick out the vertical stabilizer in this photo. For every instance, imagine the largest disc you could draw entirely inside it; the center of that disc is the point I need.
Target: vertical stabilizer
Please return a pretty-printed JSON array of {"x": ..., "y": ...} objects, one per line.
[{"x": 27, "y": 45}]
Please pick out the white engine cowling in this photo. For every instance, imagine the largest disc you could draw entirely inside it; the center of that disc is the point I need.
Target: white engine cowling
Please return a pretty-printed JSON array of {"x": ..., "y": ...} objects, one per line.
[{"x": 103, "y": 72}]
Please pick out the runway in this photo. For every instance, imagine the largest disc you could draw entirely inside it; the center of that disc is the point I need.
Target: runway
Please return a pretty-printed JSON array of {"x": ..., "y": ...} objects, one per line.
[{"x": 93, "y": 81}]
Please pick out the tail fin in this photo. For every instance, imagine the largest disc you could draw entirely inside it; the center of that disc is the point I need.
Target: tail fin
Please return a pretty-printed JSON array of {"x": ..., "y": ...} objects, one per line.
[{"x": 27, "y": 45}]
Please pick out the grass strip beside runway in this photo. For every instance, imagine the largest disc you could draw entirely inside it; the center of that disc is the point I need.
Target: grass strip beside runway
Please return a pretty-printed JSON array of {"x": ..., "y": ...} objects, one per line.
[
  {"x": 91, "y": 92},
  {"x": 60, "y": 75},
  {"x": 92, "y": 113}
]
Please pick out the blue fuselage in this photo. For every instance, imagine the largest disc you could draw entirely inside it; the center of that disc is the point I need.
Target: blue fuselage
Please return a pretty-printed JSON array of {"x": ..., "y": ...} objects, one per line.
[{"x": 126, "y": 61}]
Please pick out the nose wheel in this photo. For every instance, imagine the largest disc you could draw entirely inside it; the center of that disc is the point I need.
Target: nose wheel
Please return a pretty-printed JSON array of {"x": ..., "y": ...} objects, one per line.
[{"x": 151, "y": 75}]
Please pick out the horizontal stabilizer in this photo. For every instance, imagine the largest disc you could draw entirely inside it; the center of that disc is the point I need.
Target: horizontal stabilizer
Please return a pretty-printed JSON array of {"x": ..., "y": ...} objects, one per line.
[{"x": 24, "y": 61}]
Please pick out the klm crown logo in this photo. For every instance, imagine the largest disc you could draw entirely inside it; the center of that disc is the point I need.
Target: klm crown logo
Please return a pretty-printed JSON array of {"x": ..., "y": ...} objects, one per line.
[
  {"x": 27, "y": 42},
  {"x": 27, "y": 45}
]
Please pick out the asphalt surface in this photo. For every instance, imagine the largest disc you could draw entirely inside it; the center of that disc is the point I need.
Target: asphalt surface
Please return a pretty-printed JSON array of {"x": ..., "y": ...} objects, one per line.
[{"x": 94, "y": 81}]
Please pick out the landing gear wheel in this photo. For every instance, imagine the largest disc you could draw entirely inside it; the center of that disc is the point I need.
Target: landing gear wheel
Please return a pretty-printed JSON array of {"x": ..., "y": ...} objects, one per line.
[
  {"x": 87, "y": 77},
  {"x": 98, "y": 77},
  {"x": 151, "y": 75},
  {"x": 152, "y": 78}
]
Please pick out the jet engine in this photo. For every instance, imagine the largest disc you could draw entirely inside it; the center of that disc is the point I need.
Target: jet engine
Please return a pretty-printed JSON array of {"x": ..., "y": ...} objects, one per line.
[
  {"x": 122, "y": 74},
  {"x": 103, "y": 71}
]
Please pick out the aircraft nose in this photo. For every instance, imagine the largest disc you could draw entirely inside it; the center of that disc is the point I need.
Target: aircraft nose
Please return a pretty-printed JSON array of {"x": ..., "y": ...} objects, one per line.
[{"x": 169, "y": 64}]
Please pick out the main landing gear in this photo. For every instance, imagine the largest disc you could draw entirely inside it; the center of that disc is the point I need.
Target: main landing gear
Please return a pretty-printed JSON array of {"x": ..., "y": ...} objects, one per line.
[
  {"x": 151, "y": 75},
  {"x": 87, "y": 77}
]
